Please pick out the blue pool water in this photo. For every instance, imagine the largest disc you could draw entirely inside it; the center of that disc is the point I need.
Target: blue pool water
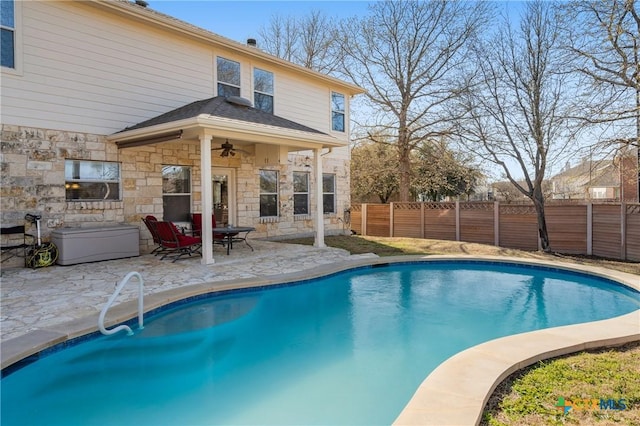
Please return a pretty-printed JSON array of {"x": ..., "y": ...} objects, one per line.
[{"x": 346, "y": 349}]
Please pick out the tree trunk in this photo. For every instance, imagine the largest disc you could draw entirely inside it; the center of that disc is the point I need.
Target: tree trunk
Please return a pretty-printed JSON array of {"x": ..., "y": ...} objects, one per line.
[
  {"x": 405, "y": 181},
  {"x": 538, "y": 202},
  {"x": 404, "y": 163}
]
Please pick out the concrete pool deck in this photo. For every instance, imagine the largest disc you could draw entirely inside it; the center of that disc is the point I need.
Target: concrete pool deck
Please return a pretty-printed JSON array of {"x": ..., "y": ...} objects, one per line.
[{"x": 43, "y": 307}]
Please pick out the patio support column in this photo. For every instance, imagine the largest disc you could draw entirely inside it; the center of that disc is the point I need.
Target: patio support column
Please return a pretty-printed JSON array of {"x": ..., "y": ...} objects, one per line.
[
  {"x": 319, "y": 216},
  {"x": 206, "y": 188}
]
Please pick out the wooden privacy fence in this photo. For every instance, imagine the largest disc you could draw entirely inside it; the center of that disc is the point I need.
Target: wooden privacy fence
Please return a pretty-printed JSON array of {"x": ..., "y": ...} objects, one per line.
[{"x": 605, "y": 230}]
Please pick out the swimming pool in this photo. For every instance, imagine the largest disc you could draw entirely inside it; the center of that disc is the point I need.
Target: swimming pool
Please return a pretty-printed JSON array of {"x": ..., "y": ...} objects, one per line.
[{"x": 346, "y": 349}]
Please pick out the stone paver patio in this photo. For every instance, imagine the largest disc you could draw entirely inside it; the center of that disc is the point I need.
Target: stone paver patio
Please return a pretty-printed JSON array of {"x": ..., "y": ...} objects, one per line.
[{"x": 41, "y": 298}]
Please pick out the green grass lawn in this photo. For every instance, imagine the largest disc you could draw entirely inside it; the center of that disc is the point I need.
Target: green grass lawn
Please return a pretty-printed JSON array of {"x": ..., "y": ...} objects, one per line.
[{"x": 529, "y": 396}]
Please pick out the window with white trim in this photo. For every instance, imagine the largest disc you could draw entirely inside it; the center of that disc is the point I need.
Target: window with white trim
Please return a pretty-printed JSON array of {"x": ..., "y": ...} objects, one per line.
[
  {"x": 598, "y": 192},
  {"x": 328, "y": 193},
  {"x": 228, "y": 77},
  {"x": 263, "y": 90},
  {"x": 268, "y": 193},
  {"x": 176, "y": 193},
  {"x": 8, "y": 34},
  {"x": 300, "y": 193},
  {"x": 91, "y": 180},
  {"x": 337, "y": 112}
]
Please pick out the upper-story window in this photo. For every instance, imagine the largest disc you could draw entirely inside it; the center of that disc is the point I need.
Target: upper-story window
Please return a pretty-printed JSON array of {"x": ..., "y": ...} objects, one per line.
[
  {"x": 91, "y": 180},
  {"x": 228, "y": 77},
  {"x": 337, "y": 112},
  {"x": 263, "y": 90},
  {"x": 8, "y": 36}
]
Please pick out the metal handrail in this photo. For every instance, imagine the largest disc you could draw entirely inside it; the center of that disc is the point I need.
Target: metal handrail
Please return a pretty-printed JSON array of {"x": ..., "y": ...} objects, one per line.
[{"x": 115, "y": 294}]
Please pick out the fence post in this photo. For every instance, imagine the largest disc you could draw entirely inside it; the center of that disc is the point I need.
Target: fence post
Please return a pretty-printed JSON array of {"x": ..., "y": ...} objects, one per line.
[
  {"x": 589, "y": 229},
  {"x": 391, "y": 221},
  {"x": 422, "y": 220},
  {"x": 623, "y": 231},
  {"x": 363, "y": 219},
  {"x": 496, "y": 223},
  {"x": 457, "y": 220}
]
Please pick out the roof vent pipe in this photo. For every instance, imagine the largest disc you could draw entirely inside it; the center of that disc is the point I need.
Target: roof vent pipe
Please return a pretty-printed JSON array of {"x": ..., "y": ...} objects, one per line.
[{"x": 252, "y": 42}]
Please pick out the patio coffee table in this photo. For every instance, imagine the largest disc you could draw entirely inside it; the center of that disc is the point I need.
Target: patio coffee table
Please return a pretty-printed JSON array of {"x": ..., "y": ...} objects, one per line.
[{"x": 232, "y": 233}]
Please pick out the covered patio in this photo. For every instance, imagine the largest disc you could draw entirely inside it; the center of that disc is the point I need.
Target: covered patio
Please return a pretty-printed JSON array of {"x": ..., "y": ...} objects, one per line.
[{"x": 221, "y": 126}]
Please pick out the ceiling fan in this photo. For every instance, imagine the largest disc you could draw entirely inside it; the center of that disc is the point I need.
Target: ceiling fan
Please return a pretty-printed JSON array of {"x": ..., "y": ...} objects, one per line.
[{"x": 228, "y": 149}]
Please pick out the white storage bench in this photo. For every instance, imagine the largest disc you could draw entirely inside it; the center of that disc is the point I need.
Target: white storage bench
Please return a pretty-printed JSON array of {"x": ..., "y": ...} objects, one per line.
[{"x": 81, "y": 245}]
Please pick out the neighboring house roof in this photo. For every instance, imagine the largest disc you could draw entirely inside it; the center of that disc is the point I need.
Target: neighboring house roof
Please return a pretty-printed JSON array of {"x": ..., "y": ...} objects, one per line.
[
  {"x": 606, "y": 180},
  {"x": 150, "y": 16},
  {"x": 585, "y": 169},
  {"x": 591, "y": 173},
  {"x": 222, "y": 107}
]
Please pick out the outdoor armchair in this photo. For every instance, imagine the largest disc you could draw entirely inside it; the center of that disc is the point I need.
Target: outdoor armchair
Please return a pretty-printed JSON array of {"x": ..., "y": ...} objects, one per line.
[
  {"x": 196, "y": 227},
  {"x": 174, "y": 243},
  {"x": 149, "y": 221}
]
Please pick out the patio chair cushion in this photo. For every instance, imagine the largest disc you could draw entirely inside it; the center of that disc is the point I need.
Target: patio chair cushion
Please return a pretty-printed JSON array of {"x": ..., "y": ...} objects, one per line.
[
  {"x": 187, "y": 240},
  {"x": 196, "y": 227},
  {"x": 175, "y": 243}
]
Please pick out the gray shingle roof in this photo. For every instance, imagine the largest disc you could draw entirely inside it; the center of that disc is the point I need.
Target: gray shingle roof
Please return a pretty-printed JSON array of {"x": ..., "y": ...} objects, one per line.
[{"x": 221, "y": 107}]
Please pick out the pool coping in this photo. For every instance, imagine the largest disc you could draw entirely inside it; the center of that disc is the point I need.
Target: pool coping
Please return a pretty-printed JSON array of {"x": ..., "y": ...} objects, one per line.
[{"x": 454, "y": 393}]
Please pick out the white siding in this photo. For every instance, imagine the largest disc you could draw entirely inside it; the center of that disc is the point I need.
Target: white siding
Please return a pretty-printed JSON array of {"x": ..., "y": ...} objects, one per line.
[
  {"x": 86, "y": 70},
  {"x": 296, "y": 99},
  {"x": 307, "y": 103},
  {"x": 99, "y": 75}
]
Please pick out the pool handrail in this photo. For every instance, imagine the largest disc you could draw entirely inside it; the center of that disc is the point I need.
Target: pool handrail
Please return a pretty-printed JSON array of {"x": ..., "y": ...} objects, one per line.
[{"x": 115, "y": 294}]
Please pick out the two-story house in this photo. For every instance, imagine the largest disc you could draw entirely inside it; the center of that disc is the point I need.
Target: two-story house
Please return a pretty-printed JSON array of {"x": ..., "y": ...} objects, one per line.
[{"x": 112, "y": 111}]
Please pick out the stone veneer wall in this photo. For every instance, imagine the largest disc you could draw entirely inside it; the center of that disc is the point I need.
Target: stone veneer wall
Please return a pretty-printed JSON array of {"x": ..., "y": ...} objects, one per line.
[
  {"x": 32, "y": 181},
  {"x": 287, "y": 224}
]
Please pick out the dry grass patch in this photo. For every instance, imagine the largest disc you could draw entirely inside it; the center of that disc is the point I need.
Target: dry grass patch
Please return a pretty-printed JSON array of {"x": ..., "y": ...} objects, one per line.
[{"x": 385, "y": 246}]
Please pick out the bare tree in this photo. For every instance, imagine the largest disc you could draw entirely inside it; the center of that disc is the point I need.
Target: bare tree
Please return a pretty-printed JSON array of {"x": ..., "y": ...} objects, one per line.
[
  {"x": 318, "y": 49},
  {"x": 517, "y": 111},
  {"x": 309, "y": 41},
  {"x": 280, "y": 37},
  {"x": 407, "y": 55},
  {"x": 604, "y": 38}
]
